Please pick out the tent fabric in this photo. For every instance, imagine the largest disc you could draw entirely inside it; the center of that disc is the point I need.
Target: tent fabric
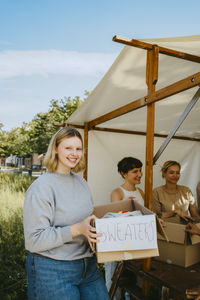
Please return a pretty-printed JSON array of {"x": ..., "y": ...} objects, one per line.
[{"x": 125, "y": 82}]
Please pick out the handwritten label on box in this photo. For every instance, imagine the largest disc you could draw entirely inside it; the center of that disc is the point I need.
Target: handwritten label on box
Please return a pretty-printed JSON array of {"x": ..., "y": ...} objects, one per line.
[{"x": 127, "y": 233}]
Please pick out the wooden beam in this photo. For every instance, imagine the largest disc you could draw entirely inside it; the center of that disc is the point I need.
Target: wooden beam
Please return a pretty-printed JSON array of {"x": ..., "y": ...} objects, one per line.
[
  {"x": 59, "y": 124},
  {"x": 162, "y": 50},
  {"x": 149, "y": 155},
  {"x": 85, "y": 173},
  {"x": 118, "y": 112},
  {"x": 76, "y": 125},
  {"x": 151, "y": 80},
  {"x": 175, "y": 88},
  {"x": 114, "y": 130}
]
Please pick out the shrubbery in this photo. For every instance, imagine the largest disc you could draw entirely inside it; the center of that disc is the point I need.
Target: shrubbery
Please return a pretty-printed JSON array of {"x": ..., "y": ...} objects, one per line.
[
  {"x": 15, "y": 182},
  {"x": 13, "y": 283}
]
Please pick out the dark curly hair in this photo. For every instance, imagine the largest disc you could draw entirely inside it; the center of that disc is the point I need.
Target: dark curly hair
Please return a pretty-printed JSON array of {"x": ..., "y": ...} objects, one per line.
[{"x": 127, "y": 164}]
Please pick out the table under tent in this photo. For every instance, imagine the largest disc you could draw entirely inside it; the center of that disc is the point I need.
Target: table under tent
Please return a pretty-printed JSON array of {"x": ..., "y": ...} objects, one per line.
[{"x": 146, "y": 106}]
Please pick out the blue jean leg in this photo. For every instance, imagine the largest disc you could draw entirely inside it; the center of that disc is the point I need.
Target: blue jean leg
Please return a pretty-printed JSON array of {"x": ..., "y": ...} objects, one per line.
[
  {"x": 50, "y": 279},
  {"x": 92, "y": 286}
]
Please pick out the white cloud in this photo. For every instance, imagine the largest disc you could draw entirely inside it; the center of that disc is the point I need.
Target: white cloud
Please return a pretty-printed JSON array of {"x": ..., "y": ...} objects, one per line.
[{"x": 27, "y": 63}]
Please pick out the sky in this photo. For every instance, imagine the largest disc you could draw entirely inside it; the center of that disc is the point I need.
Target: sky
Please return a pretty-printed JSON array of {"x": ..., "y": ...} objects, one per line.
[{"x": 51, "y": 49}]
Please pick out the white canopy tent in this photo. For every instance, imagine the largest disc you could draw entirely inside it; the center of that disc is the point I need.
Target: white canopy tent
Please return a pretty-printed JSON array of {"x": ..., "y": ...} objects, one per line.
[{"x": 111, "y": 140}]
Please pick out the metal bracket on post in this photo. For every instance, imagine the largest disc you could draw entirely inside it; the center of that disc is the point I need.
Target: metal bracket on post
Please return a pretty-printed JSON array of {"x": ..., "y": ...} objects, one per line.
[{"x": 178, "y": 124}]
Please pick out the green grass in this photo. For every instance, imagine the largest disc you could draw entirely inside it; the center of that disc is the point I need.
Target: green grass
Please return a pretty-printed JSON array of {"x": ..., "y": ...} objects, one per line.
[
  {"x": 15, "y": 182},
  {"x": 10, "y": 202},
  {"x": 13, "y": 283}
]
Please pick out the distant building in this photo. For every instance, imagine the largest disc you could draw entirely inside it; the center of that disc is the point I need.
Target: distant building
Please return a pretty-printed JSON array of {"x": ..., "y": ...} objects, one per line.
[
  {"x": 34, "y": 160},
  {"x": 37, "y": 159},
  {"x": 12, "y": 161}
]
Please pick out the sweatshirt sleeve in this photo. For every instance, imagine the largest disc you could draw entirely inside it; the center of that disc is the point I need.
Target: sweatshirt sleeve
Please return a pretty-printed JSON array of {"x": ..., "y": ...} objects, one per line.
[{"x": 40, "y": 234}]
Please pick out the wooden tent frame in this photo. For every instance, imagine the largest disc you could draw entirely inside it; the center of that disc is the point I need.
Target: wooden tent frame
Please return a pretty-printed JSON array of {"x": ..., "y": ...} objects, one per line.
[{"x": 149, "y": 100}]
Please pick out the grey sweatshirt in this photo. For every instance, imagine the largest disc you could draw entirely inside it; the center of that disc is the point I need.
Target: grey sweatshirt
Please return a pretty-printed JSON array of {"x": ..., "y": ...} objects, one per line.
[{"x": 52, "y": 204}]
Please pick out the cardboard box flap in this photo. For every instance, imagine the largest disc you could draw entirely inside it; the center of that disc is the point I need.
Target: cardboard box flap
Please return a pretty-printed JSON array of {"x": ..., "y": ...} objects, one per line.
[
  {"x": 194, "y": 237},
  {"x": 160, "y": 231},
  {"x": 101, "y": 210},
  {"x": 175, "y": 232},
  {"x": 144, "y": 210},
  {"x": 129, "y": 205}
]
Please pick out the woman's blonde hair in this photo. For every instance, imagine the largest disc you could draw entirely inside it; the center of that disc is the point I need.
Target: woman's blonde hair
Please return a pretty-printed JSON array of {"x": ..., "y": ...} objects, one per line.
[
  {"x": 168, "y": 164},
  {"x": 51, "y": 158}
]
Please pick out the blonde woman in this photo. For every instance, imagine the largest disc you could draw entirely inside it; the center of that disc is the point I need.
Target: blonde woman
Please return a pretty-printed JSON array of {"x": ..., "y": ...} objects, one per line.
[
  {"x": 58, "y": 236},
  {"x": 172, "y": 199}
]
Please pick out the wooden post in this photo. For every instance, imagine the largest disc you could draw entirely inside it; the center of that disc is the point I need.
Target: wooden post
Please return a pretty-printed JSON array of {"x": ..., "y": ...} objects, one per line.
[
  {"x": 85, "y": 173},
  {"x": 151, "y": 80}
]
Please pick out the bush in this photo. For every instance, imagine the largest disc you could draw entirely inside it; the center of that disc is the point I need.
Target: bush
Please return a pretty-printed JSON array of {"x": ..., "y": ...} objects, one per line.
[
  {"x": 12, "y": 257},
  {"x": 13, "y": 284},
  {"x": 15, "y": 182}
]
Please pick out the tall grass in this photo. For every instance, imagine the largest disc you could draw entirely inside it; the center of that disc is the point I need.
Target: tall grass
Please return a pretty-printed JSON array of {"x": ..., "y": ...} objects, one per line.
[
  {"x": 15, "y": 182},
  {"x": 12, "y": 253}
]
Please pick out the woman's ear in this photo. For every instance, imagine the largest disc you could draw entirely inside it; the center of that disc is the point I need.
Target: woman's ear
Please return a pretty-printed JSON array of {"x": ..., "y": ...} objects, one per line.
[
  {"x": 123, "y": 174},
  {"x": 163, "y": 174}
]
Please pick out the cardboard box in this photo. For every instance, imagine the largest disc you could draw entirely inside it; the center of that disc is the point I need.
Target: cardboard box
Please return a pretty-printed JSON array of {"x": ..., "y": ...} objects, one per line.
[
  {"x": 126, "y": 237},
  {"x": 182, "y": 249}
]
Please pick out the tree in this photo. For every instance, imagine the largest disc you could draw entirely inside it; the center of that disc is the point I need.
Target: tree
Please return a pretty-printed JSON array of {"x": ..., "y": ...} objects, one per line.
[
  {"x": 35, "y": 136},
  {"x": 42, "y": 127},
  {"x": 18, "y": 141},
  {"x": 3, "y": 141}
]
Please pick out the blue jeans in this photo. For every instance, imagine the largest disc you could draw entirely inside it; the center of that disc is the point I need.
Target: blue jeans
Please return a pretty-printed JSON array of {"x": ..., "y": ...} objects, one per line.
[{"x": 50, "y": 279}]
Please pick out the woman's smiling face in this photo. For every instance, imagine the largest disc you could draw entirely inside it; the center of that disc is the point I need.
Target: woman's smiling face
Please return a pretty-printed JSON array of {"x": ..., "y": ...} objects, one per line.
[
  {"x": 133, "y": 176},
  {"x": 172, "y": 174},
  {"x": 69, "y": 151}
]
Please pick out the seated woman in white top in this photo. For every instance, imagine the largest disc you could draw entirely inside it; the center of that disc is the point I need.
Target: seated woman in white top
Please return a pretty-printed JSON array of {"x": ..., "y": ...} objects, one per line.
[{"x": 130, "y": 169}]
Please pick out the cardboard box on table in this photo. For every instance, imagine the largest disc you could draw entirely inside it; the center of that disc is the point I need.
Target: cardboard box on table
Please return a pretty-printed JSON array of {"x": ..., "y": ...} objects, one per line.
[
  {"x": 181, "y": 249},
  {"x": 126, "y": 237}
]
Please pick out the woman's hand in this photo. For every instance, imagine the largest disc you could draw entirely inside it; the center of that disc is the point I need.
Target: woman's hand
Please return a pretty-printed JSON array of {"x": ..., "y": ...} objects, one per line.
[
  {"x": 184, "y": 216},
  {"x": 162, "y": 223},
  {"x": 172, "y": 213},
  {"x": 85, "y": 228},
  {"x": 192, "y": 228},
  {"x": 194, "y": 292},
  {"x": 89, "y": 231},
  {"x": 131, "y": 197},
  {"x": 168, "y": 214}
]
